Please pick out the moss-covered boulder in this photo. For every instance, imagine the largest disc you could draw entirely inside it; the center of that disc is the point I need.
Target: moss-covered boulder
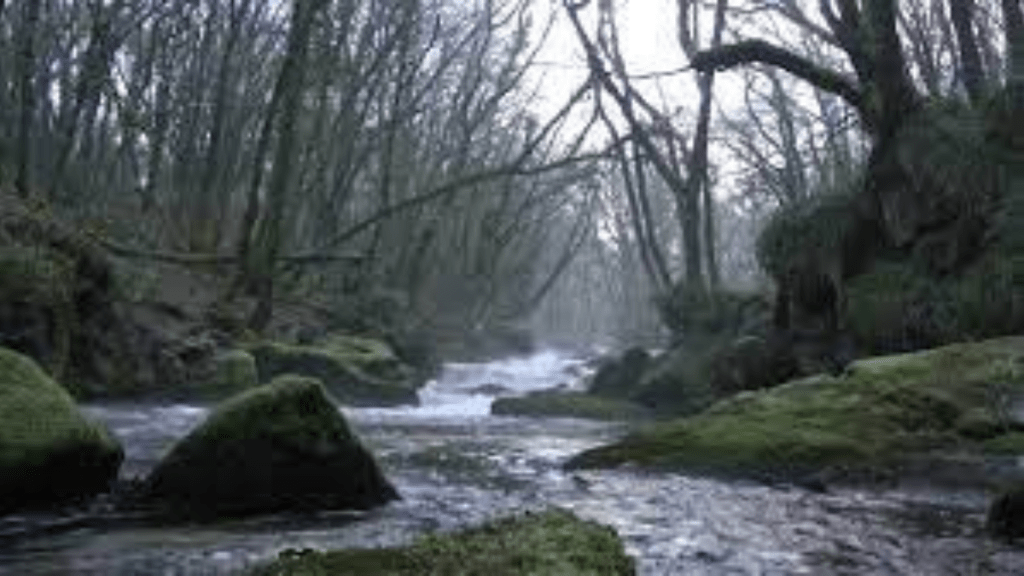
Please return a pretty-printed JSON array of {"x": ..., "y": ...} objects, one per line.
[
  {"x": 618, "y": 377},
  {"x": 357, "y": 371},
  {"x": 1005, "y": 518},
  {"x": 49, "y": 452},
  {"x": 677, "y": 382},
  {"x": 750, "y": 363},
  {"x": 233, "y": 371},
  {"x": 281, "y": 446},
  {"x": 551, "y": 543},
  {"x": 555, "y": 403},
  {"x": 878, "y": 415}
]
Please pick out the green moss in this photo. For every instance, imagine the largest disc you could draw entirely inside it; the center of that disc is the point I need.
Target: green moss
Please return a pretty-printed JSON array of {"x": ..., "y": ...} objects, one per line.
[
  {"x": 979, "y": 423},
  {"x": 37, "y": 416},
  {"x": 1008, "y": 444},
  {"x": 881, "y": 411},
  {"x": 552, "y": 543},
  {"x": 822, "y": 224},
  {"x": 898, "y": 306},
  {"x": 41, "y": 278},
  {"x": 49, "y": 452},
  {"x": 359, "y": 349},
  {"x": 288, "y": 407},
  {"x": 234, "y": 371},
  {"x": 355, "y": 370},
  {"x": 567, "y": 404}
]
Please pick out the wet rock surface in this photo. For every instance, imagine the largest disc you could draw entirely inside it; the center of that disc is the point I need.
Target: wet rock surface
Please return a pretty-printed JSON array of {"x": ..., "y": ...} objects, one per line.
[
  {"x": 282, "y": 446},
  {"x": 50, "y": 453}
]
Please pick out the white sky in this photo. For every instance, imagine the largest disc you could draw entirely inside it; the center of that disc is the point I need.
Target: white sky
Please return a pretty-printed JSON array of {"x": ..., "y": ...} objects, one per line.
[{"x": 648, "y": 38}]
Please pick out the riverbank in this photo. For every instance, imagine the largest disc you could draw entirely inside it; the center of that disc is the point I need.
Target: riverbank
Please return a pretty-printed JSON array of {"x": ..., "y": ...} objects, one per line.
[{"x": 885, "y": 420}]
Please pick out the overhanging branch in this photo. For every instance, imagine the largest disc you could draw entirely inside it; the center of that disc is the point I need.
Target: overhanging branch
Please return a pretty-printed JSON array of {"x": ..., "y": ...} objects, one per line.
[{"x": 759, "y": 51}]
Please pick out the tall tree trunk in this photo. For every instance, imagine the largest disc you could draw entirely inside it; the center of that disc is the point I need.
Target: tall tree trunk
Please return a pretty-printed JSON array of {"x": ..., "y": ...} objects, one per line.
[
  {"x": 289, "y": 86},
  {"x": 26, "y": 73},
  {"x": 889, "y": 79},
  {"x": 1014, "y": 19},
  {"x": 213, "y": 169},
  {"x": 99, "y": 54},
  {"x": 962, "y": 14},
  {"x": 697, "y": 179}
]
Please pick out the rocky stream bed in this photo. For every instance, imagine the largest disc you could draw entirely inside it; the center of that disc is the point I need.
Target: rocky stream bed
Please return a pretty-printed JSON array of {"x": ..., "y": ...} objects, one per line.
[{"x": 455, "y": 466}]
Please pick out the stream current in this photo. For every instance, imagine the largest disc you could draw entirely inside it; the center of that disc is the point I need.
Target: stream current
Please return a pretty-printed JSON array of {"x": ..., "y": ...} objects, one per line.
[{"x": 455, "y": 466}]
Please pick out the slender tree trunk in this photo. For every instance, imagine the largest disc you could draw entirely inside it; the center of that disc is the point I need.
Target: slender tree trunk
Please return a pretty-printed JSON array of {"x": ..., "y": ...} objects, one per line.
[
  {"x": 213, "y": 169},
  {"x": 1014, "y": 19},
  {"x": 962, "y": 14},
  {"x": 289, "y": 85},
  {"x": 890, "y": 79},
  {"x": 26, "y": 73},
  {"x": 95, "y": 69},
  {"x": 699, "y": 232}
]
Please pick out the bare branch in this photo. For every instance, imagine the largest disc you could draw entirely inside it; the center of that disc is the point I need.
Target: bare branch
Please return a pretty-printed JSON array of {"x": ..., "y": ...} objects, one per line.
[{"x": 759, "y": 51}]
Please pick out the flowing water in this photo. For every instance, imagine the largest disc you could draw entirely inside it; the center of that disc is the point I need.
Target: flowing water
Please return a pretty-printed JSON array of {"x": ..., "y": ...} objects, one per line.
[{"x": 455, "y": 466}]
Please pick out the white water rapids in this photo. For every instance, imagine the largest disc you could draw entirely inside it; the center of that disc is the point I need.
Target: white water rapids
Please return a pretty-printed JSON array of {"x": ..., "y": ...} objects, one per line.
[{"x": 455, "y": 466}]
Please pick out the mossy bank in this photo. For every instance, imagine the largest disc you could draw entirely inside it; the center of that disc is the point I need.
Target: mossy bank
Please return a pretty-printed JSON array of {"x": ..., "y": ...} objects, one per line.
[
  {"x": 551, "y": 543},
  {"x": 871, "y": 422}
]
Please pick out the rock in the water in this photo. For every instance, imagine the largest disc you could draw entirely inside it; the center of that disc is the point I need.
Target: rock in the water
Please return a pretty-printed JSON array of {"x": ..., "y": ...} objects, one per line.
[
  {"x": 617, "y": 377},
  {"x": 550, "y": 543},
  {"x": 234, "y": 371},
  {"x": 1006, "y": 514},
  {"x": 556, "y": 403},
  {"x": 49, "y": 452},
  {"x": 678, "y": 382},
  {"x": 280, "y": 446},
  {"x": 489, "y": 389},
  {"x": 357, "y": 371},
  {"x": 750, "y": 363}
]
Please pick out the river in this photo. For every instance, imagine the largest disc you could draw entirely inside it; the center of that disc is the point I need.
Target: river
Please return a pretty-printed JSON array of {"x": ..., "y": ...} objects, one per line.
[{"x": 455, "y": 465}]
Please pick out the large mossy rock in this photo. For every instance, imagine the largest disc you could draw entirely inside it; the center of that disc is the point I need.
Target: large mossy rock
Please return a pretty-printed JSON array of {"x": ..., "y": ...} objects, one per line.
[
  {"x": 49, "y": 452},
  {"x": 1005, "y": 518},
  {"x": 357, "y": 371},
  {"x": 281, "y": 446},
  {"x": 618, "y": 377},
  {"x": 559, "y": 404},
  {"x": 234, "y": 371},
  {"x": 880, "y": 414},
  {"x": 551, "y": 543}
]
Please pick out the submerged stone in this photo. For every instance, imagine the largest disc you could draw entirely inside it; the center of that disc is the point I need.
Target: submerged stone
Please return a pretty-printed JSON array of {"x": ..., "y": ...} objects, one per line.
[
  {"x": 280, "y": 446},
  {"x": 49, "y": 452},
  {"x": 550, "y": 543}
]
